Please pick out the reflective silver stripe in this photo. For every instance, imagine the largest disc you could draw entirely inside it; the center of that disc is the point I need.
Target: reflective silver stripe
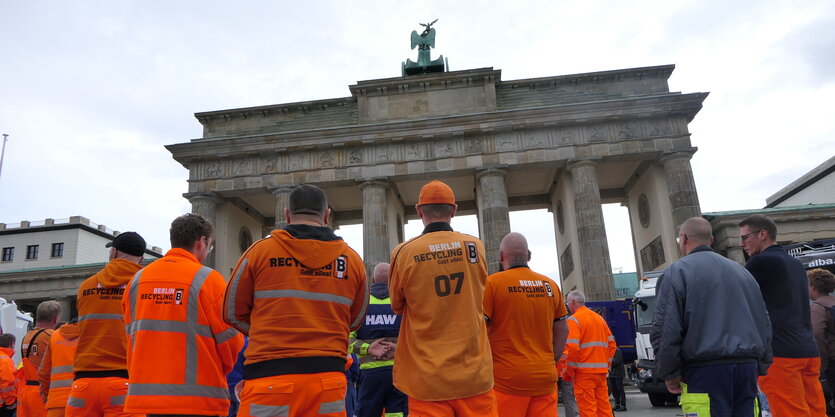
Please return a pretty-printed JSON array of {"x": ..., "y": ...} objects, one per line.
[
  {"x": 61, "y": 369},
  {"x": 258, "y": 410},
  {"x": 233, "y": 293},
  {"x": 361, "y": 314},
  {"x": 332, "y": 407},
  {"x": 575, "y": 341},
  {"x": 588, "y": 365},
  {"x": 100, "y": 316},
  {"x": 134, "y": 288},
  {"x": 225, "y": 335},
  {"x": 574, "y": 319},
  {"x": 307, "y": 295},
  {"x": 61, "y": 383},
  {"x": 594, "y": 344},
  {"x": 8, "y": 389},
  {"x": 75, "y": 402},
  {"x": 118, "y": 400},
  {"x": 611, "y": 338},
  {"x": 192, "y": 316},
  {"x": 179, "y": 390},
  {"x": 169, "y": 326}
]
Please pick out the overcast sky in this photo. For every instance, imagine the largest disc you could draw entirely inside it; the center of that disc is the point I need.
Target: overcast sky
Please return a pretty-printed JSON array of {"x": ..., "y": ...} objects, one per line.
[{"x": 90, "y": 91}]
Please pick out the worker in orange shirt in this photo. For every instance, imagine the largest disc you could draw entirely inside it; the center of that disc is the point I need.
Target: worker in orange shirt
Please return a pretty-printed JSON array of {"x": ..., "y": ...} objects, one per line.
[
  {"x": 56, "y": 371},
  {"x": 8, "y": 382},
  {"x": 100, "y": 365},
  {"x": 526, "y": 326},
  {"x": 590, "y": 348},
  {"x": 181, "y": 350},
  {"x": 297, "y": 294},
  {"x": 32, "y": 350},
  {"x": 442, "y": 361}
]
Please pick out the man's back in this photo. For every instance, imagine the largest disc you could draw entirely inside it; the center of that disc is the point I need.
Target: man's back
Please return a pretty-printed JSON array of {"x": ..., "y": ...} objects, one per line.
[
  {"x": 521, "y": 307},
  {"x": 437, "y": 282},
  {"x": 590, "y": 345},
  {"x": 785, "y": 291}
]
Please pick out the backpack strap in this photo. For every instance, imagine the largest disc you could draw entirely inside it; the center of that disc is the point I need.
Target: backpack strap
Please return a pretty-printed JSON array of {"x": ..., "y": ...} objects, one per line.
[{"x": 31, "y": 342}]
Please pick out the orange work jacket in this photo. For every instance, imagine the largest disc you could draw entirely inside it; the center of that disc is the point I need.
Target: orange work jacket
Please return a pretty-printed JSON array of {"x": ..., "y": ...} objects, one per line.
[
  {"x": 8, "y": 384},
  {"x": 181, "y": 350},
  {"x": 437, "y": 283},
  {"x": 102, "y": 343},
  {"x": 56, "y": 371},
  {"x": 31, "y": 357},
  {"x": 298, "y": 299},
  {"x": 590, "y": 345}
]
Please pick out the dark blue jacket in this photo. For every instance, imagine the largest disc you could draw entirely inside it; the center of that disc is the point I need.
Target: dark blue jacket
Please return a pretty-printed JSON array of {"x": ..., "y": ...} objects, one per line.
[{"x": 785, "y": 290}]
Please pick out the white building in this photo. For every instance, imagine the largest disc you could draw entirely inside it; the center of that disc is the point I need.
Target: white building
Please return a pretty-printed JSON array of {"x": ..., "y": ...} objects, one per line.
[{"x": 50, "y": 258}]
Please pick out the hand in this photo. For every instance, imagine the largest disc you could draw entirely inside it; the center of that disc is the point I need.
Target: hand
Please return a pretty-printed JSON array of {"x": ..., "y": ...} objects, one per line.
[
  {"x": 377, "y": 348},
  {"x": 674, "y": 385},
  {"x": 392, "y": 347}
]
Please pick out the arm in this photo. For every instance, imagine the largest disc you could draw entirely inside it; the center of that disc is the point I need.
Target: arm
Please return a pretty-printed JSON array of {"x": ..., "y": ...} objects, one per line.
[
  {"x": 228, "y": 341},
  {"x": 237, "y": 300},
  {"x": 360, "y": 302},
  {"x": 668, "y": 327},
  {"x": 819, "y": 319},
  {"x": 396, "y": 278},
  {"x": 560, "y": 330},
  {"x": 45, "y": 373},
  {"x": 572, "y": 344}
]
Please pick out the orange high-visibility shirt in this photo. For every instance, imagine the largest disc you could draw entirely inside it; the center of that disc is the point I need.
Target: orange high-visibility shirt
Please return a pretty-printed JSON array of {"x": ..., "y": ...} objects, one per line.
[
  {"x": 181, "y": 350},
  {"x": 296, "y": 299},
  {"x": 8, "y": 382},
  {"x": 102, "y": 343},
  {"x": 590, "y": 345},
  {"x": 521, "y": 307},
  {"x": 56, "y": 370},
  {"x": 437, "y": 283},
  {"x": 31, "y": 358}
]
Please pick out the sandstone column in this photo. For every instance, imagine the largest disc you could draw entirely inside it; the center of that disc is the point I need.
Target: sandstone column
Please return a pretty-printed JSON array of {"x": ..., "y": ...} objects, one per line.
[
  {"x": 282, "y": 201},
  {"x": 205, "y": 204},
  {"x": 595, "y": 264},
  {"x": 681, "y": 186},
  {"x": 375, "y": 236},
  {"x": 493, "y": 213}
]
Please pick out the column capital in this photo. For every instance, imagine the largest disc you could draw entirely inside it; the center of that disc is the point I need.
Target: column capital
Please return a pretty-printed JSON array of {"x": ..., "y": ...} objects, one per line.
[
  {"x": 281, "y": 189},
  {"x": 373, "y": 183},
  {"x": 501, "y": 170},
  {"x": 203, "y": 196},
  {"x": 581, "y": 163},
  {"x": 677, "y": 155}
]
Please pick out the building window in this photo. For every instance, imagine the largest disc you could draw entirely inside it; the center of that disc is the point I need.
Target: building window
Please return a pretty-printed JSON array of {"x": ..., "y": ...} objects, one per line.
[
  {"x": 57, "y": 250},
  {"x": 8, "y": 254},
  {"x": 32, "y": 252}
]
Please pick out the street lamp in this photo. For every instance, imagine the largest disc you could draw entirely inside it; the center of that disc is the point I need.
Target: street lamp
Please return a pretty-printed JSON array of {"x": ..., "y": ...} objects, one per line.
[{"x": 3, "y": 153}]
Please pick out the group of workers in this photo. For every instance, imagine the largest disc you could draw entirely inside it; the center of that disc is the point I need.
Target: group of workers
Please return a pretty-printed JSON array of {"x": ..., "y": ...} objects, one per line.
[{"x": 434, "y": 335}]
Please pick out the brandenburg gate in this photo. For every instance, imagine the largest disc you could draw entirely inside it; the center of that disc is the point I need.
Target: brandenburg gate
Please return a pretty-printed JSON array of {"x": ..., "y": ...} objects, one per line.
[{"x": 566, "y": 143}]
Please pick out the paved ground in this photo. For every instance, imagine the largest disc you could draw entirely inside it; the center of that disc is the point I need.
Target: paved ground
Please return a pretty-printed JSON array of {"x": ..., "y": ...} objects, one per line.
[{"x": 638, "y": 405}]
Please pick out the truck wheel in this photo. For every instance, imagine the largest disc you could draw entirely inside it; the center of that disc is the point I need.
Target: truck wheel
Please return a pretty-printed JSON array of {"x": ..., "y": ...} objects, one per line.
[{"x": 657, "y": 400}]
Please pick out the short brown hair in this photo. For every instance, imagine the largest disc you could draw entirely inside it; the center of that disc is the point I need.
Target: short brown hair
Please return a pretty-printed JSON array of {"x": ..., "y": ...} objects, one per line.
[
  {"x": 189, "y": 228},
  {"x": 821, "y": 280},
  {"x": 308, "y": 199},
  {"x": 7, "y": 340},
  {"x": 48, "y": 310},
  {"x": 759, "y": 222}
]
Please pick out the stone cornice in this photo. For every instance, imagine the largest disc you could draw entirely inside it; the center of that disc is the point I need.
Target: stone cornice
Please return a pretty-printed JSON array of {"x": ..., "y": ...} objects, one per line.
[
  {"x": 435, "y": 81},
  {"x": 659, "y": 71},
  {"x": 663, "y": 105},
  {"x": 248, "y": 112}
]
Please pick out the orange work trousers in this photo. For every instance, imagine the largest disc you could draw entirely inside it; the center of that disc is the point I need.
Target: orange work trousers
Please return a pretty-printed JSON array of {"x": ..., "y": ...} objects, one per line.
[
  {"x": 592, "y": 394},
  {"x": 525, "y": 406},
  {"x": 481, "y": 405},
  {"x": 793, "y": 388},
  {"x": 30, "y": 403},
  {"x": 98, "y": 397},
  {"x": 295, "y": 395}
]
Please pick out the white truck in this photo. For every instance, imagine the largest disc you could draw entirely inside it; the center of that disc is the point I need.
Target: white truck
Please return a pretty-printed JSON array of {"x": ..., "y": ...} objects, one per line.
[
  {"x": 644, "y": 303},
  {"x": 15, "y": 322}
]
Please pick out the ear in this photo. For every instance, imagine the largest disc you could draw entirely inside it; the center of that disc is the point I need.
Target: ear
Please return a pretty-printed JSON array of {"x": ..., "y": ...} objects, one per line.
[
  {"x": 419, "y": 211},
  {"x": 529, "y": 255},
  {"x": 327, "y": 219},
  {"x": 454, "y": 210},
  {"x": 287, "y": 215}
]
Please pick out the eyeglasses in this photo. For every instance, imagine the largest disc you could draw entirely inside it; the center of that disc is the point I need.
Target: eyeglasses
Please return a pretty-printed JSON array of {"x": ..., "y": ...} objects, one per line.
[
  {"x": 745, "y": 236},
  {"x": 678, "y": 238},
  {"x": 211, "y": 245}
]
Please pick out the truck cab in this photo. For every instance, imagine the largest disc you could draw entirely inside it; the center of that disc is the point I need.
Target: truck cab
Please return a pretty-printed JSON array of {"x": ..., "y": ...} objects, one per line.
[
  {"x": 644, "y": 303},
  {"x": 15, "y": 322}
]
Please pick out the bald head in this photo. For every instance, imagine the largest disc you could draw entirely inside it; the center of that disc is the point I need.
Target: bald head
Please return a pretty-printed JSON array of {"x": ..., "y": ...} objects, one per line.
[
  {"x": 513, "y": 251},
  {"x": 695, "y": 232},
  {"x": 381, "y": 273}
]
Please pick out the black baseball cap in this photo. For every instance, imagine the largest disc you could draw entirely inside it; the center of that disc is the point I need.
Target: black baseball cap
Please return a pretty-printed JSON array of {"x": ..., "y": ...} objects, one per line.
[{"x": 128, "y": 242}]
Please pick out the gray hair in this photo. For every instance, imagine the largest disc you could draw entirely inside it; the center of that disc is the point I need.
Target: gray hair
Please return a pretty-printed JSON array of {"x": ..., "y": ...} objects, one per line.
[{"x": 577, "y": 296}]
